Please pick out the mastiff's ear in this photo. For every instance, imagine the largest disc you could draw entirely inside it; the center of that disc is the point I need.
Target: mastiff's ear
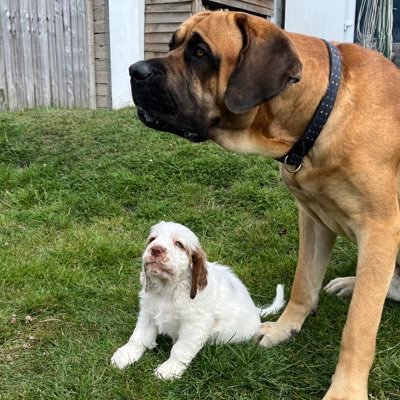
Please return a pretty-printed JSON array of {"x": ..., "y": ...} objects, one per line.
[
  {"x": 266, "y": 67},
  {"x": 199, "y": 272}
]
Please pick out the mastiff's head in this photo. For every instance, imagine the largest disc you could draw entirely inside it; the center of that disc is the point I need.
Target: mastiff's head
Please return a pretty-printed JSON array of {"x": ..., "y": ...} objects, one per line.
[{"x": 220, "y": 67}]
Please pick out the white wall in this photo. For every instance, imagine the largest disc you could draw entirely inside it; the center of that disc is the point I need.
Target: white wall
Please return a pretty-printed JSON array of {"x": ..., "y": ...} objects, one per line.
[
  {"x": 126, "y": 46},
  {"x": 328, "y": 19}
]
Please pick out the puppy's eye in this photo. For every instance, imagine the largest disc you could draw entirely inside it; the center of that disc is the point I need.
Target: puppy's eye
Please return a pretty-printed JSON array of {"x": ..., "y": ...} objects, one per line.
[
  {"x": 179, "y": 245},
  {"x": 150, "y": 239}
]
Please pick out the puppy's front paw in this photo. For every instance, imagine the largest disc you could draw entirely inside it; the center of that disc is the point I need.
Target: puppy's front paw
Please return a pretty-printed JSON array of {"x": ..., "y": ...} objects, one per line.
[
  {"x": 273, "y": 333},
  {"x": 170, "y": 370},
  {"x": 125, "y": 355}
]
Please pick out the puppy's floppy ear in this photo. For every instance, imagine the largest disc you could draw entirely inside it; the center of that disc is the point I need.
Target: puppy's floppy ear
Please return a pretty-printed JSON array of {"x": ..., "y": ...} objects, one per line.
[
  {"x": 267, "y": 66},
  {"x": 199, "y": 272}
]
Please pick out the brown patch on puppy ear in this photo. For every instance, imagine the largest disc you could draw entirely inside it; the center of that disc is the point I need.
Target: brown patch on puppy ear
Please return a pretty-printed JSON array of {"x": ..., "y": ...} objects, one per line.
[
  {"x": 267, "y": 66},
  {"x": 199, "y": 272}
]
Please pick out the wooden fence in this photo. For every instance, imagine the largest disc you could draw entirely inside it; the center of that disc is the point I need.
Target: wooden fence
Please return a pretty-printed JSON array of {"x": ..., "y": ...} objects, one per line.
[{"x": 44, "y": 54}]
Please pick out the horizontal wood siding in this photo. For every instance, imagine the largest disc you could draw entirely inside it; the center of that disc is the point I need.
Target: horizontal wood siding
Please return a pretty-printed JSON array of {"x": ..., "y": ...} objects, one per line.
[
  {"x": 163, "y": 18},
  {"x": 261, "y": 7}
]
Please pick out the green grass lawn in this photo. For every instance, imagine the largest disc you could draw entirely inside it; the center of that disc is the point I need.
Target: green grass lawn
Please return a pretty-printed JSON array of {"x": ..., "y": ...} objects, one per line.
[{"x": 80, "y": 190}]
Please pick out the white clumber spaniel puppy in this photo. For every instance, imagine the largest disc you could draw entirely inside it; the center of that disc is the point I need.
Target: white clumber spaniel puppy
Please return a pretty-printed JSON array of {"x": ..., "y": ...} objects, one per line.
[{"x": 189, "y": 299}]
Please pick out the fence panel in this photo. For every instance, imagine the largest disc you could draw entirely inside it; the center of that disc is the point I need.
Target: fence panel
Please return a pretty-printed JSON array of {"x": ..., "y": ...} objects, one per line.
[{"x": 43, "y": 54}]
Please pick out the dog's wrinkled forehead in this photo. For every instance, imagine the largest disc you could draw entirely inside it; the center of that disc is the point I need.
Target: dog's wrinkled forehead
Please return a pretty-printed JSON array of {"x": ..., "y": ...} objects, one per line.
[
  {"x": 174, "y": 231},
  {"x": 218, "y": 29}
]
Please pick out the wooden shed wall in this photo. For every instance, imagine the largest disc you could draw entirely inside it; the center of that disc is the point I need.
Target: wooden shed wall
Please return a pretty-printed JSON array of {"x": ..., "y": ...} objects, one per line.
[
  {"x": 163, "y": 18},
  {"x": 261, "y": 7}
]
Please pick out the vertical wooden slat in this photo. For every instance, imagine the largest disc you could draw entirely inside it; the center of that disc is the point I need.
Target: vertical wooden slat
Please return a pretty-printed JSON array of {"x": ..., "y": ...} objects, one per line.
[
  {"x": 91, "y": 53},
  {"x": 44, "y": 53},
  {"x": 60, "y": 53},
  {"x": 82, "y": 50},
  {"x": 26, "y": 53},
  {"x": 52, "y": 53},
  {"x": 75, "y": 53},
  {"x": 69, "y": 80},
  {"x": 35, "y": 45},
  {"x": 3, "y": 77},
  {"x": 8, "y": 58},
  {"x": 17, "y": 54}
]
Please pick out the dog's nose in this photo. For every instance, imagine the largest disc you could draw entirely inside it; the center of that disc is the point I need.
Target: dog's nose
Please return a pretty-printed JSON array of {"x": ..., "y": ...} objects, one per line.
[
  {"x": 156, "y": 251},
  {"x": 140, "y": 70}
]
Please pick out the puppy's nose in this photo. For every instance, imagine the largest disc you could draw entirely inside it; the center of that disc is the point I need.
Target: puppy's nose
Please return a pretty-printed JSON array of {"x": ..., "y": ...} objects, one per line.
[
  {"x": 140, "y": 70},
  {"x": 156, "y": 251}
]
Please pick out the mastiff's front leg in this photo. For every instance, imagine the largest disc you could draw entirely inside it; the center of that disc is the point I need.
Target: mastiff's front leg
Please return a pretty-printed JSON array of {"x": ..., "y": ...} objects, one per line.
[
  {"x": 377, "y": 249},
  {"x": 316, "y": 243}
]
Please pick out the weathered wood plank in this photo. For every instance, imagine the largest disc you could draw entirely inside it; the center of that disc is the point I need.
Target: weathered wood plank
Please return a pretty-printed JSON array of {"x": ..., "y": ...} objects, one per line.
[
  {"x": 60, "y": 53},
  {"x": 255, "y": 8},
  {"x": 157, "y": 38},
  {"x": 3, "y": 78},
  {"x": 45, "y": 83},
  {"x": 26, "y": 53},
  {"x": 69, "y": 79},
  {"x": 174, "y": 7},
  {"x": 17, "y": 56},
  {"x": 35, "y": 53},
  {"x": 52, "y": 43},
  {"x": 148, "y": 2},
  {"x": 90, "y": 53},
  {"x": 158, "y": 47},
  {"x": 82, "y": 50},
  {"x": 264, "y": 3},
  {"x": 166, "y": 18},
  {"x": 7, "y": 51},
  {"x": 75, "y": 53},
  {"x": 197, "y": 6},
  {"x": 168, "y": 28}
]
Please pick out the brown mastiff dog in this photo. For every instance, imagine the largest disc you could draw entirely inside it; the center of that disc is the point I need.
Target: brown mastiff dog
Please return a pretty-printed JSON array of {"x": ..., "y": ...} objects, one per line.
[{"x": 249, "y": 86}]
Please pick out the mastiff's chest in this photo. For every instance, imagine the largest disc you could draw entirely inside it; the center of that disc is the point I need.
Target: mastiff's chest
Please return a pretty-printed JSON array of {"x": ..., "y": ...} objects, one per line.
[{"x": 327, "y": 199}]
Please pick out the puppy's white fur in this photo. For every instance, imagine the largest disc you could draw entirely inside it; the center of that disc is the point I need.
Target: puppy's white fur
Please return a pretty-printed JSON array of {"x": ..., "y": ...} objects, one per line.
[{"x": 190, "y": 300}]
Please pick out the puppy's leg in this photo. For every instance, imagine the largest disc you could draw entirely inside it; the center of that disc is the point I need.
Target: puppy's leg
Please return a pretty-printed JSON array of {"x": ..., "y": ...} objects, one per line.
[
  {"x": 316, "y": 243},
  {"x": 191, "y": 339},
  {"x": 345, "y": 286},
  {"x": 143, "y": 337},
  {"x": 377, "y": 250}
]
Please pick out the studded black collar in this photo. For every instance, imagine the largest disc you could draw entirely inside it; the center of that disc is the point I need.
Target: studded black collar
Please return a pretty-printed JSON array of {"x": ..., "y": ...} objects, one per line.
[{"x": 300, "y": 149}]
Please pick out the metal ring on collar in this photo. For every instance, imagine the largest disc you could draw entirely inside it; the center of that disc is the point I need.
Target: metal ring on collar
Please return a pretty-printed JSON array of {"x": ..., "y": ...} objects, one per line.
[{"x": 291, "y": 171}]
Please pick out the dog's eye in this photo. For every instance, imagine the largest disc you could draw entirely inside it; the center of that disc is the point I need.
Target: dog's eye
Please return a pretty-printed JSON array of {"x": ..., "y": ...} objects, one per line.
[
  {"x": 150, "y": 239},
  {"x": 199, "y": 52},
  {"x": 179, "y": 245}
]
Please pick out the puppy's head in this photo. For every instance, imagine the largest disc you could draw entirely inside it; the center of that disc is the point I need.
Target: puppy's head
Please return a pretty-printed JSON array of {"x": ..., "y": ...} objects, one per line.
[
  {"x": 221, "y": 66},
  {"x": 173, "y": 251}
]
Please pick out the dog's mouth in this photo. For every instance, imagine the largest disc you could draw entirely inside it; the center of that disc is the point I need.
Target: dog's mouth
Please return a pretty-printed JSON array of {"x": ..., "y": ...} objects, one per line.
[
  {"x": 158, "y": 269},
  {"x": 193, "y": 135}
]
